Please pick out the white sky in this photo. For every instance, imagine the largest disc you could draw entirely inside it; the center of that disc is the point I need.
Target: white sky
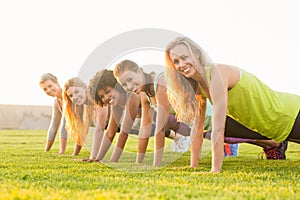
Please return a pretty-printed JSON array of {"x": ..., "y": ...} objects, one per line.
[{"x": 260, "y": 36}]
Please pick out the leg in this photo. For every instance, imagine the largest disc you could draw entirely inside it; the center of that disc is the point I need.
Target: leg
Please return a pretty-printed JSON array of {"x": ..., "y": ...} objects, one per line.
[
  {"x": 266, "y": 144},
  {"x": 168, "y": 133},
  {"x": 237, "y": 130},
  {"x": 233, "y": 140},
  {"x": 272, "y": 149},
  {"x": 180, "y": 133},
  {"x": 294, "y": 136},
  {"x": 178, "y": 127},
  {"x": 237, "y": 133}
]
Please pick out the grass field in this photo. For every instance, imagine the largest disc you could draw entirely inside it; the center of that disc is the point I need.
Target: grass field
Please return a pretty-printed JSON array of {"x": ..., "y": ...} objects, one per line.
[{"x": 26, "y": 172}]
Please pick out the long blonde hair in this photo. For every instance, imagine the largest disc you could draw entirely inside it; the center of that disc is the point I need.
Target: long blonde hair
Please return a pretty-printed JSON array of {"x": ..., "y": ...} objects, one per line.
[
  {"x": 78, "y": 117},
  {"x": 183, "y": 93}
]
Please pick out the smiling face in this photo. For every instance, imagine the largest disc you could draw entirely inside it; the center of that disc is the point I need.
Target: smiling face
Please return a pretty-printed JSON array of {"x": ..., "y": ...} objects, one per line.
[
  {"x": 50, "y": 88},
  {"x": 182, "y": 60},
  {"x": 77, "y": 94},
  {"x": 109, "y": 96},
  {"x": 132, "y": 81}
]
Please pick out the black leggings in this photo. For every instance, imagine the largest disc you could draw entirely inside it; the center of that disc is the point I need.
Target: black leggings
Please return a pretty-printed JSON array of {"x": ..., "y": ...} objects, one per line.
[
  {"x": 235, "y": 129},
  {"x": 295, "y": 133}
]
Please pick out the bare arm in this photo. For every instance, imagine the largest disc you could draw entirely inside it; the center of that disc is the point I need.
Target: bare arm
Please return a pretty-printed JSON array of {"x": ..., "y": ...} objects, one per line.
[
  {"x": 145, "y": 129},
  {"x": 101, "y": 119},
  {"x": 163, "y": 111},
  {"x": 131, "y": 109},
  {"x": 197, "y": 136},
  {"x": 55, "y": 121},
  {"x": 110, "y": 132},
  {"x": 219, "y": 95}
]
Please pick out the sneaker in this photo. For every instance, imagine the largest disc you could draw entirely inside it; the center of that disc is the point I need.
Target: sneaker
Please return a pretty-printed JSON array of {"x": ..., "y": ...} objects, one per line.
[
  {"x": 231, "y": 150},
  {"x": 282, "y": 148},
  {"x": 276, "y": 153},
  {"x": 181, "y": 144}
]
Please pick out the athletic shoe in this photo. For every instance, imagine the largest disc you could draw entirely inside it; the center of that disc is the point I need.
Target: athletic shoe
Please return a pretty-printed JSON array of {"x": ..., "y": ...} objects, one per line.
[
  {"x": 231, "y": 150},
  {"x": 276, "y": 153},
  {"x": 181, "y": 144},
  {"x": 282, "y": 148}
]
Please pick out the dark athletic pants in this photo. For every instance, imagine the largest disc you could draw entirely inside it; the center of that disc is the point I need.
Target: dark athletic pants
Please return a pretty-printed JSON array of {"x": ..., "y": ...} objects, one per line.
[{"x": 235, "y": 129}]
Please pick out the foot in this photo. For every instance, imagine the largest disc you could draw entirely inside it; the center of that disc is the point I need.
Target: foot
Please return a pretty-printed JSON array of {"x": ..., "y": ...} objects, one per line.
[
  {"x": 181, "y": 144},
  {"x": 276, "y": 153}
]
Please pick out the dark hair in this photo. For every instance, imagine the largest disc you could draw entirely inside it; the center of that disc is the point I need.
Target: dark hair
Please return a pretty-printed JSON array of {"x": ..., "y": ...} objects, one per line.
[{"x": 101, "y": 80}]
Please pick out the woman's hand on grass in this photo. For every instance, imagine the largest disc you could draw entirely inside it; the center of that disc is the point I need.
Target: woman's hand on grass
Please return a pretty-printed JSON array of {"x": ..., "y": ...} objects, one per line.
[{"x": 88, "y": 160}]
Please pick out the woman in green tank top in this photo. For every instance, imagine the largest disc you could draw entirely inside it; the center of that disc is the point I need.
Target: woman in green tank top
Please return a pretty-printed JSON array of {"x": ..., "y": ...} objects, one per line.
[
  {"x": 234, "y": 93},
  {"x": 153, "y": 93}
]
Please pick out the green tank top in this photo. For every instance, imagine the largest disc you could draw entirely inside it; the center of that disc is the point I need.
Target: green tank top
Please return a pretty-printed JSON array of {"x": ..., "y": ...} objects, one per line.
[{"x": 261, "y": 109}]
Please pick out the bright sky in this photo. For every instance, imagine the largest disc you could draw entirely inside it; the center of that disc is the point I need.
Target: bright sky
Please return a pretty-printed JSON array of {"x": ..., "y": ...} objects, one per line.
[{"x": 260, "y": 36}]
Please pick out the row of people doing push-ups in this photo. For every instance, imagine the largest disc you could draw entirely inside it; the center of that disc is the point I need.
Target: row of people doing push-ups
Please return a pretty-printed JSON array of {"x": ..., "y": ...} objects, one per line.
[
  {"x": 76, "y": 98},
  {"x": 191, "y": 96}
]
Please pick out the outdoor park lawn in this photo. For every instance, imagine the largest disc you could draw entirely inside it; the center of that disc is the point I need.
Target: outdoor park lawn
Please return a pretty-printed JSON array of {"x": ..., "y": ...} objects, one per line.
[{"x": 26, "y": 172}]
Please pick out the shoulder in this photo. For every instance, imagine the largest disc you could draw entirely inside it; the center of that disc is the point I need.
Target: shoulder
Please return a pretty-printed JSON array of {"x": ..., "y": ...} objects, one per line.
[
  {"x": 160, "y": 81},
  {"x": 56, "y": 105},
  {"x": 100, "y": 109},
  {"x": 160, "y": 77},
  {"x": 224, "y": 70},
  {"x": 228, "y": 74},
  {"x": 133, "y": 96},
  {"x": 133, "y": 99}
]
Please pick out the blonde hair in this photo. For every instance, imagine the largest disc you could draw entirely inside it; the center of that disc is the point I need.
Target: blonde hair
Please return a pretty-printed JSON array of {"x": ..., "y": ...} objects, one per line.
[
  {"x": 183, "y": 93},
  {"x": 78, "y": 117}
]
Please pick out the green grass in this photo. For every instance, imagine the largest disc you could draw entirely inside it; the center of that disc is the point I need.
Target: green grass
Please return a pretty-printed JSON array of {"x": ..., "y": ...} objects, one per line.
[{"x": 26, "y": 172}]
